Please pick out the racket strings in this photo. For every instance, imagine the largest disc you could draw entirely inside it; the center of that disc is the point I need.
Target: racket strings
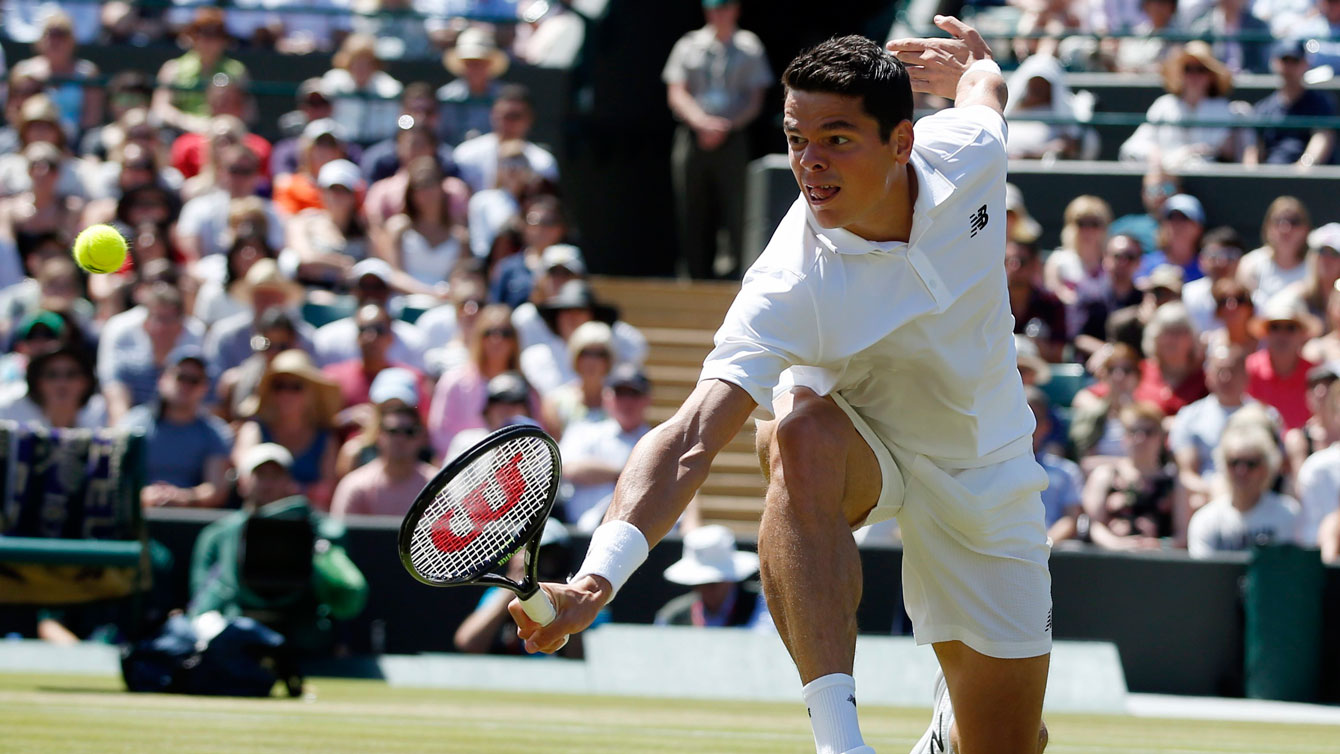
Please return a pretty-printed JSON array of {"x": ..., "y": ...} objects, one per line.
[{"x": 474, "y": 522}]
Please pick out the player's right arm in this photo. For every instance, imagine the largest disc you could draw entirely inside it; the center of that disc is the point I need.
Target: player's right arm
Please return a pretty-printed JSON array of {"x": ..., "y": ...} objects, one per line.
[{"x": 664, "y": 471}]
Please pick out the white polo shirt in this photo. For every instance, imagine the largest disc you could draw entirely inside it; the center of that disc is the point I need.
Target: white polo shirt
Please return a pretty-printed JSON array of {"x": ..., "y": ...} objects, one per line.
[{"x": 916, "y": 336}]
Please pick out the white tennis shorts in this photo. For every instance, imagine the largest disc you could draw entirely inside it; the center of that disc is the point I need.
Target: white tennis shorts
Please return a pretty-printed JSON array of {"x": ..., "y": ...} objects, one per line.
[{"x": 975, "y": 548}]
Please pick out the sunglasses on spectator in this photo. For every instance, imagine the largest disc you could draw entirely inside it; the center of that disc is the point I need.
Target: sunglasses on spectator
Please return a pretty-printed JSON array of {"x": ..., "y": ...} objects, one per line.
[
  {"x": 287, "y": 386},
  {"x": 1089, "y": 222},
  {"x": 1232, "y": 301},
  {"x": 401, "y": 431},
  {"x": 1142, "y": 431},
  {"x": 380, "y": 328},
  {"x": 627, "y": 392},
  {"x": 62, "y": 374},
  {"x": 1190, "y": 69},
  {"x": 1283, "y": 326},
  {"x": 242, "y": 169},
  {"x": 211, "y": 32},
  {"x": 544, "y": 221},
  {"x": 1248, "y": 464},
  {"x": 1125, "y": 256},
  {"x": 595, "y": 353},
  {"x": 1120, "y": 369},
  {"x": 1222, "y": 255},
  {"x": 193, "y": 380},
  {"x": 1328, "y": 252},
  {"x": 500, "y": 332},
  {"x": 138, "y": 166},
  {"x": 1293, "y": 221}
]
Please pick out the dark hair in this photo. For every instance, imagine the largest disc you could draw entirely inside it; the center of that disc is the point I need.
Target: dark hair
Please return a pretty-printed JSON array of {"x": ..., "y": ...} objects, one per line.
[
  {"x": 1223, "y": 236},
  {"x": 131, "y": 82},
  {"x": 514, "y": 93},
  {"x": 417, "y": 90},
  {"x": 854, "y": 66},
  {"x": 276, "y": 317}
]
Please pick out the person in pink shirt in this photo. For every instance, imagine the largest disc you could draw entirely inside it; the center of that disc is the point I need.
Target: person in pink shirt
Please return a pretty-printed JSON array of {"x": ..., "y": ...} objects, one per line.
[
  {"x": 1277, "y": 374},
  {"x": 388, "y": 484}
]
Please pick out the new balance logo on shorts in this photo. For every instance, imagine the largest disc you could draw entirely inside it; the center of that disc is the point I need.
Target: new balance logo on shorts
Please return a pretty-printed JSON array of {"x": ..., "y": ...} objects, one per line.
[
  {"x": 1048, "y": 627},
  {"x": 977, "y": 221}
]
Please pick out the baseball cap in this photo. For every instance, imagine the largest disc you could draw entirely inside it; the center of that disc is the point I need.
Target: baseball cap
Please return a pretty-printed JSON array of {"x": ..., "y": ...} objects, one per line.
[
  {"x": 1327, "y": 236},
  {"x": 563, "y": 255},
  {"x": 628, "y": 376},
  {"x": 395, "y": 383},
  {"x": 323, "y": 127},
  {"x": 508, "y": 387},
  {"x": 378, "y": 268},
  {"x": 339, "y": 173},
  {"x": 50, "y": 320},
  {"x": 1186, "y": 204},
  {"x": 187, "y": 353},
  {"x": 266, "y": 452},
  {"x": 1289, "y": 48},
  {"x": 1327, "y": 371}
]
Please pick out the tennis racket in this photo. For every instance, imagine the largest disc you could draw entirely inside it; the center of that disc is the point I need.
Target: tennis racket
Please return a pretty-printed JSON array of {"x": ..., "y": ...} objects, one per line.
[{"x": 483, "y": 509}]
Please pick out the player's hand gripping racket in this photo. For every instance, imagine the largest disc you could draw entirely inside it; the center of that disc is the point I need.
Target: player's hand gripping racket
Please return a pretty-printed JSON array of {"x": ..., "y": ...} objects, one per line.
[{"x": 481, "y": 510}]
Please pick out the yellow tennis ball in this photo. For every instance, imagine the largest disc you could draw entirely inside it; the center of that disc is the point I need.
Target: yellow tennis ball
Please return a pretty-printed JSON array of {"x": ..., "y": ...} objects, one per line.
[{"x": 100, "y": 249}]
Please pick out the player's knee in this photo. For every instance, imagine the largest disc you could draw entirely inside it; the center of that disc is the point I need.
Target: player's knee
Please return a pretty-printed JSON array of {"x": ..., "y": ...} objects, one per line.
[{"x": 804, "y": 444}]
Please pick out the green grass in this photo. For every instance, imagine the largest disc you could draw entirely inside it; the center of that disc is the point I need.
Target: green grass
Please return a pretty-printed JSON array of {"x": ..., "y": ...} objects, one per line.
[{"x": 55, "y": 713}]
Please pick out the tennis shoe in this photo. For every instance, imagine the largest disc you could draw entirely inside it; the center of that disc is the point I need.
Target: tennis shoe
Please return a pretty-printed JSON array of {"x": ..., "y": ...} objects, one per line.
[{"x": 936, "y": 739}]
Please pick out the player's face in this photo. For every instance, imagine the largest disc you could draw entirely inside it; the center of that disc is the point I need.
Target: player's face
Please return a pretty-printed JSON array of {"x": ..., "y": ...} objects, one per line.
[{"x": 847, "y": 174}]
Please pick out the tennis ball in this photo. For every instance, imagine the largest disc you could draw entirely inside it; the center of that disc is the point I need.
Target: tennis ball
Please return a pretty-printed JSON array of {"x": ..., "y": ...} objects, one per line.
[{"x": 100, "y": 249}]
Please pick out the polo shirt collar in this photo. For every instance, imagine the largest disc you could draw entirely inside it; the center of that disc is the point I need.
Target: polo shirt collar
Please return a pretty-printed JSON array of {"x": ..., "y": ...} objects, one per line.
[{"x": 933, "y": 188}]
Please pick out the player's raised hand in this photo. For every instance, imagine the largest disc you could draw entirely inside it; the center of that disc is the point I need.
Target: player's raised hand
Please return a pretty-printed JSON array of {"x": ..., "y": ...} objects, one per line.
[
  {"x": 934, "y": 64},
  {"x": 576, "y": 605}
]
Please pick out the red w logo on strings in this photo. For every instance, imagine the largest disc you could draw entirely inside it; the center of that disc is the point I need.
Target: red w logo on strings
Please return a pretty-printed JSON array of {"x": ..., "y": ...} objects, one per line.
[{"x": 476, "y": 508}]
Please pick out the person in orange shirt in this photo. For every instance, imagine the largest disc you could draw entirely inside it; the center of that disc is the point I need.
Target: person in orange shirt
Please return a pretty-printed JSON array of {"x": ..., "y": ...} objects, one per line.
[{"x": 322, "y": 142}]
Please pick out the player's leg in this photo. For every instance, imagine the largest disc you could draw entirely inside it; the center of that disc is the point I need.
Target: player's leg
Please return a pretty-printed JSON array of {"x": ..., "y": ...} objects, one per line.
[
  {"x": 997, "y": 703},
  {"x": 822, "y": 478}
]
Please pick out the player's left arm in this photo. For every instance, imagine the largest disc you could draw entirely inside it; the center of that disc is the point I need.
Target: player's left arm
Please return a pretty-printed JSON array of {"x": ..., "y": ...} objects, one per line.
[{"x": 940, "y": 66}]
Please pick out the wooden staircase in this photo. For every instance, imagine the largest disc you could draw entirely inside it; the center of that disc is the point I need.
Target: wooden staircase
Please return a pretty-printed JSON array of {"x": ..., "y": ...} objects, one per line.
[{"x": 679, "y": 318}]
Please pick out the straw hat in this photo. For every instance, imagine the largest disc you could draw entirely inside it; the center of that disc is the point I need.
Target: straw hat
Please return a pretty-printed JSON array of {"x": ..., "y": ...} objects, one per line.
[
  {"x": 296, "y": 363},
  {"x": 1284, "y": 307},
  {"x": 265, "y": 273},
  {"x": 1196, "y": 51},
  {"x": 475, "y": 44},
  {"x": 710, "y": 557}
]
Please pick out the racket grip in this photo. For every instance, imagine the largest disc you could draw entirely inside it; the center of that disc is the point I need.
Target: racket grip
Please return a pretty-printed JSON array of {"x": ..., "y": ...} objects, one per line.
[{"x": 539, "y": 608}]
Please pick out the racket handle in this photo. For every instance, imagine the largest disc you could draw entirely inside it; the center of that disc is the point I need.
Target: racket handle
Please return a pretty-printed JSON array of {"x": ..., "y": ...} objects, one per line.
[{"x": 541, "y": 610}]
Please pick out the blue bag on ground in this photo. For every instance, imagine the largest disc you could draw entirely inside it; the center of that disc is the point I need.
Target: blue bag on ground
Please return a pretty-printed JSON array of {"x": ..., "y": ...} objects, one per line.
[{"x": 243, "y": 659}]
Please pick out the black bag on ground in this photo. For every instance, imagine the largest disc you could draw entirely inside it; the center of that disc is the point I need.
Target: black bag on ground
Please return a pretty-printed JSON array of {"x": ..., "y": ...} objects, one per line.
[{"x": 243, "y": 659}]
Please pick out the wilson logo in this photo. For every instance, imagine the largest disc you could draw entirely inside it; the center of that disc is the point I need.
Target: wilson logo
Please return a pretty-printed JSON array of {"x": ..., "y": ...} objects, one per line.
[{"x": 476, "y": 508}]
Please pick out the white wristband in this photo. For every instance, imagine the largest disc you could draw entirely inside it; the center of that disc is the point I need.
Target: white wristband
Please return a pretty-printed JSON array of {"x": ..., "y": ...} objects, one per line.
[
  {"x": 985, "y": 64},
  {"x": 617, "y": 549}
]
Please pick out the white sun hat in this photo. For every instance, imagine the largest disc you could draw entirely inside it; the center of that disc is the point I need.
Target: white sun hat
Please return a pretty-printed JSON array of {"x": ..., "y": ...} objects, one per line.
[{"x": 710, "y": 557}]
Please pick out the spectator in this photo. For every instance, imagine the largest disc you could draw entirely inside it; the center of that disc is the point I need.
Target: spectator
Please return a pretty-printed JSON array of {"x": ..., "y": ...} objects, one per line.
[
  {"x": 387, "y": 485},
  {"x": 203, "y": 226},
  {"x": 512, "y": 280},
  {"x": 24, "y": 20},
  {"x": 392, "y": 389},
  {"x": 1278, "y": 372},
  {"x": 386, "y": 198},
  {"x": 1220, "y": 251},
  {"x": 452, "y": 323},
  {"x": 1197, "y": 428},
  {"x": 1229, "y": 19},
  {"x": 1038, "y": 313},
  {"x": 71, "y": 88},
  {"x": 1198, "y": 87},
  {"x": 133, "y": 356},
  {"x": 313, "y": 104},
  {"x": 223, "y": 296},
  {"x": 476, "y": 63},
  {"x": 560, "y": 264},
  {"x": 321, "y": 143},
  {"x": 310, "y": 26},
  {"x": 557, "y": 34},
  {"x": 491, "y": 209},
  {"x": 1276, "y": 145},
  {"x": 365, "y": 97},
  {"x": 1318, "y": 482},
  {"x": 548, "y": 364},
  {"x": 327, "y": 241},
  {"x": 295, "y": 406},
  {"x": 1234, "y": 308},
  {"x": 186, "y": 455},
  {"x": 426, "y": 241},
  {"x": 1136, "y": 500},
  {"x": 508, "y": 402},
  {"x": 591, "y": 346},
  {"x": 715, "y": 81},
  {"x": 1318, "y": 21},
  {"x": 511, "y": 119},
  {"x": 1156, "y": 187},
  {"x": 1095, "y": 429},
  {"x": 242, "y": 563},
  {"x": 1061, "y": 500},
  {"x": 1170, "y": 375},
  {"x": 127, "y": 90},
  {"x": 1323, "y": 271},
  {"x": 1179, "y": 235},
  {"x": 594, "y": 453},
  {"x": 716, "y": 570},
  {"x": 1281, "y": 259},
  {"x": 129, "y": 166},
  {"x": 1038, "y": 87},
  {"x": 39, "y": 127},
  {"x": 369, "y": 281},
  {"x": 40, "y": 212},
  {"x": 1019, "y": 225},
  {"x": 1075, "y": 270},
  {"x": 61, "y": 390},
  {"x": 397, "y": 26},
  {"x": 179, "y": 100},
  {"x": 489, "y": 629},
  {"x": 1053, "y": 20},
  {"x": 264, "y": 287},
  {"x": 458, "y": 399},
  {"x": 1150, "y": 45},
  {"x": 276, "y": 332},
  {"x": 1248, "y": 513},
  {"x": 38, "y": 333},
  {"x": 355, "y": 376},
  {"x": 198, "y": 154},
  {"x": 21, "y": 88},
  {"x": 1327, "y": 347},
  {"x": 418, "y": 107}
]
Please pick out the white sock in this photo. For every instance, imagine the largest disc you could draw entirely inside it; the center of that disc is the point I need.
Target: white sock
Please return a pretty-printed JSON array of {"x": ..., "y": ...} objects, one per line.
[{"x": 831, "y": 700}]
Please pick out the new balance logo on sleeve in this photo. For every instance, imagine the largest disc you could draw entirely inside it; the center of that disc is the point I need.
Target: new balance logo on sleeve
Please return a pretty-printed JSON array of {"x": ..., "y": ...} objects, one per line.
[{"x": 978, "y": 220}]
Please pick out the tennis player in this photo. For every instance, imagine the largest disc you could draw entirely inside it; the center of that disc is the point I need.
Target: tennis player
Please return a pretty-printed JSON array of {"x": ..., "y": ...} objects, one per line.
[{"x": 874, "y": 332}]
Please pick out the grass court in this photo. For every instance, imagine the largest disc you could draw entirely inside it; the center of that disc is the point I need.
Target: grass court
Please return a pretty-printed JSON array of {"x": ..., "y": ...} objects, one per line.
[{"x": 63, "y": 713}]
